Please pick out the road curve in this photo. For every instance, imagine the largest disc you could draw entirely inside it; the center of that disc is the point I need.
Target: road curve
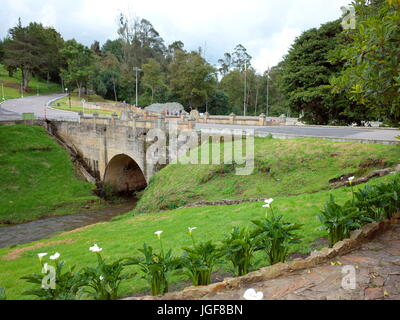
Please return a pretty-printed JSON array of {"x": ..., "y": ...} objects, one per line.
[{"x": 13, "y": 109}]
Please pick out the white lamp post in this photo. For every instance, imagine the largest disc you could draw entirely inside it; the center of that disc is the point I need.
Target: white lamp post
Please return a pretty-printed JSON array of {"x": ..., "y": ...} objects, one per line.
[{"x": 137, "y": 70}]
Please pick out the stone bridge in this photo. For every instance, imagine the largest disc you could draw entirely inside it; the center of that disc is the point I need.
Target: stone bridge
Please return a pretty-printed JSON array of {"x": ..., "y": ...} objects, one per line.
[{"x": 113, "y": 151}]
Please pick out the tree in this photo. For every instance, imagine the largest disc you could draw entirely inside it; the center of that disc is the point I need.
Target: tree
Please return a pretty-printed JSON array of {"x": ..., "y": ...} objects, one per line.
[
  {"x": 240, "y": 58},
  {"x": 192, "y": 79},
  {"x": 153, "y": 78},
  {"x": 33, "y": 49},
  {"x": 306, "y": 71},
  {"x": 80, "y": 64},
  {"x": 371, "y": 75},
  {"x": 225, "y": 64}
]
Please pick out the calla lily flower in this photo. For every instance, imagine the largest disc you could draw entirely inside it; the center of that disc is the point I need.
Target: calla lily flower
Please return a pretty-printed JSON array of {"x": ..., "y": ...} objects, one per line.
[
  {"x": 41, "y": 255},
  {"x": 267, "y": 206},
  {"x": 269, "y": 201},
  {"x": 55, "y": 256},
  {"x": 251, "y": 294},
  {"x": 351, "y": 179},
  {"x": 95, "y": 248},
  {"x": 101, "y": 278},
  {"x": 191, "y": 229},
  {"x": 158, "y": 234}
]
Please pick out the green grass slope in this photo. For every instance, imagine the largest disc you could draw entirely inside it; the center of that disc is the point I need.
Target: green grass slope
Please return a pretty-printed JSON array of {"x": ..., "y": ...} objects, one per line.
[
  {"x": 282, "y": 168},
  {"x": 12, "y": 85},
  {"x": 37, "y": 177},
  {"x": 122, "y": 238}
]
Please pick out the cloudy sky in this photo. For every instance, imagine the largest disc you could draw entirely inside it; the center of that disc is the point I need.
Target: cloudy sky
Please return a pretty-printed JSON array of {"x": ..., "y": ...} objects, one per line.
[{"x": 265, "y": 27}]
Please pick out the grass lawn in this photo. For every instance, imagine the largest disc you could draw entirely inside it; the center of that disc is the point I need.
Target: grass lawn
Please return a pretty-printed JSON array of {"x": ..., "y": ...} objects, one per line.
[
  {"x": 12, "y": 85},
  {"x": 282, "y": 168},
  {"x": 122, "y": 237},
  {"x": 76, "y": 104},
  {"x": 37, "y": 177}
]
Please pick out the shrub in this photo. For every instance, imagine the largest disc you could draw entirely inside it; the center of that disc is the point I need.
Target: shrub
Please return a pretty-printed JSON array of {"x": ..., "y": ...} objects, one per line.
[
  {"x": 104, "y": 279},
  {"x": 65, "y": 287},
  {"x": 199, "y": 260},
  {"x": 274, "y": 236},
  {"x": 340, "y": 220},
  {"x": 157, "y": 268},
  {"x": 239, "y": 249}
]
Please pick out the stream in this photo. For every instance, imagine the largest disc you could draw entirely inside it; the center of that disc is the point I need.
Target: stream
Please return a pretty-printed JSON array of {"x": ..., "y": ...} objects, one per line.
[{"x": 48, "y": 227}]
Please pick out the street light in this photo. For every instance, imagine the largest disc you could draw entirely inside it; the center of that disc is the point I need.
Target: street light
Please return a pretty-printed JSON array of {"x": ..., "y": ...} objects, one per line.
[
  {"x": 245, "y": 89},
  {"x": 69, "y": 97},
  {"x": 268, "y": 71},
  {"x": 137, "y": 70}
]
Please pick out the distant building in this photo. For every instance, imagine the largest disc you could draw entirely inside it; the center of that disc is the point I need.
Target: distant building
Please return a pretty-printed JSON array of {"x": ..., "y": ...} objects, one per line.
[{"x": 169, "y": 107}]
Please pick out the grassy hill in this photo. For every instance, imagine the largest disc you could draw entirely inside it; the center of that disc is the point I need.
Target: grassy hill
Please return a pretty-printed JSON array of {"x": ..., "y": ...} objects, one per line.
[
  {"x": 76, "y": 104},
  {"x": 12, "y": 85},
  {"x": 37, "y": 177},
  {"x": 282, "y": 168}
]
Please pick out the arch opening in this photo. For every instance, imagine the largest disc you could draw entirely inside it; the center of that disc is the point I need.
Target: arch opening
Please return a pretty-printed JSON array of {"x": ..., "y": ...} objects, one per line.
[{"x": 124, "y": 175}]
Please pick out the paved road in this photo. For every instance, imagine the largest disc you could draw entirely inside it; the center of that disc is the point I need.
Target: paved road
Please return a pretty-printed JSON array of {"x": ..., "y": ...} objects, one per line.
[
  {"x": 13, "y": 109},
  {"x": 331, "y": 132}
]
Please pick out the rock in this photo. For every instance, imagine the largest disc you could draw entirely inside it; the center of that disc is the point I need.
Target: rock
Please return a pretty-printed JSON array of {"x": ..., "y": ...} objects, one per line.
[
  {"x": 373, "y": 293},
  {"x": 343, "y": 246}
]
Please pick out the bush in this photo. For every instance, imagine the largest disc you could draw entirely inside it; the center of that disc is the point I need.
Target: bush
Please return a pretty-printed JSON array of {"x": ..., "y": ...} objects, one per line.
[
  {"x": 239, "y": 249},
  {"x": 340, "y": 220},
  {"x": 157, "y": 268},
  {"x": 274, "y": 236},
  {"x": 104, "y": 279},
  {"x": 66, "y": 285}
]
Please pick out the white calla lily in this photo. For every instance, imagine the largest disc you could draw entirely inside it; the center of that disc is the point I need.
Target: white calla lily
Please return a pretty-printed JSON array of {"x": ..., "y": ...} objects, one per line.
[
  {"x": 55, "y": 256},
  {"x": 158, "y": 234},
  {"x": 251, "y": 294},
  {"x": 41, "y": 255},
  {"x": 95, "y": 248}
]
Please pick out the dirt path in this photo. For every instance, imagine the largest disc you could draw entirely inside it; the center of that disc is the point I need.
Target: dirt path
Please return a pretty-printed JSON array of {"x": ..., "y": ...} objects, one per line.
[{"x": 376, "y": 265}]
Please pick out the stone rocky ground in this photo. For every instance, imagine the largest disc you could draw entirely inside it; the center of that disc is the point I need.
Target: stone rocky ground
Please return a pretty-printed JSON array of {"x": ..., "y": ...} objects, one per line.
[{"x": 377, "y": 265}]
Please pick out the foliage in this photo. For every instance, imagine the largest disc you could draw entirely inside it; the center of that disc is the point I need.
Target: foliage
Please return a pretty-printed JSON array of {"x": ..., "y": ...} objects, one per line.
[
  {"x": 305, "y": 76},
  {"x": 3, "y": 295},
  {"x": 239, "y": 249},
  {"x": 379, "y": 201},
  {"x": 104, "y": 279},
  {"x": 340, "y": 220},
  {"x": 274, "y": 236},
  {"x": 153, "y": 78},
  {"x": 33, "y": 49},
  {"x": 80, "y": 64},
  {"x": 157, "y": 268},
  {"x": 371, "y": 71},
  {"x": 192, "y": 79},
  {"x": 199, "y": 262},
  {"x": 66, "y": 287}
]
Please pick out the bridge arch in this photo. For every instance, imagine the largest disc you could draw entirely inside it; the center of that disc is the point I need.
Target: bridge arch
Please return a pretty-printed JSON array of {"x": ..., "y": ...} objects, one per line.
[{"x": 124, "y": 174}]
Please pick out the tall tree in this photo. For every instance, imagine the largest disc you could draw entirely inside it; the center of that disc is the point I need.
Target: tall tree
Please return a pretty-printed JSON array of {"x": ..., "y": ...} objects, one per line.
[
  {"x": 153, "y": 78},
  {"x": 306, "y": 71},
  {"x": 371, "y": 76},
  {"x": 192, "y": 79},
  {"x": 33, "y": 49},
  {"x": 80, "y": 64}
]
